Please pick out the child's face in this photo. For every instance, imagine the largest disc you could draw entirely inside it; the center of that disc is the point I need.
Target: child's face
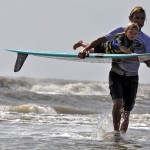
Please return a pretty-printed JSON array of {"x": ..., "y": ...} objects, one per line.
[{"x": 131, "y": 34}]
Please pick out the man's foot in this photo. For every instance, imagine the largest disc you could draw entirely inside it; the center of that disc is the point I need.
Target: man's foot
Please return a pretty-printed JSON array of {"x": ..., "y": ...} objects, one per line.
[
  {"x": 117, "y": 137},
  {"x": 82, "y": 55},
  {"x": 78, "y": 44}
]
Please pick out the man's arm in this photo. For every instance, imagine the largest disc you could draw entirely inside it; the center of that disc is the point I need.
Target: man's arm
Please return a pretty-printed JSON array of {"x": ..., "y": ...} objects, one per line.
[{"x": 125, "y": 50}]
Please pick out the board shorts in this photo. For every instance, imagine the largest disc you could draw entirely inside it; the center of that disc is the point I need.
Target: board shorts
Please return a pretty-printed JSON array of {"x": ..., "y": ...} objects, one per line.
[{"x": 123, "y": 87}]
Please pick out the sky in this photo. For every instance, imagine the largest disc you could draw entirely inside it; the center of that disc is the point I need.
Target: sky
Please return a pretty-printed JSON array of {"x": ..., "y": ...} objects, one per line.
[{"x": 55, "y": 25}]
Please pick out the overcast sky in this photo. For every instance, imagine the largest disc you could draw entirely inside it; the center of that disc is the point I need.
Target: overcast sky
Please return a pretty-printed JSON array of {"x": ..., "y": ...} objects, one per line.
[{"x": 55, "y": 25}]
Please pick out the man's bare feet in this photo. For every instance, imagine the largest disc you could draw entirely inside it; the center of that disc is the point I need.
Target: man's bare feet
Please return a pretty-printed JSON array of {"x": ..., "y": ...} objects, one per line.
[{"x": 78, "y": 44}]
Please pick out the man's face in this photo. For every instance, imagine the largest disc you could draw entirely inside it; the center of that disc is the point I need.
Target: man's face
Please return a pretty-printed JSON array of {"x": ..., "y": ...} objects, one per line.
[{"x": 138, "y": 18}]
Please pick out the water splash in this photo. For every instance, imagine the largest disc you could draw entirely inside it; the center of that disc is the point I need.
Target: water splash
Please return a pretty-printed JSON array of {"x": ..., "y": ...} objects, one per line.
[{"x": 104, "y": 126}]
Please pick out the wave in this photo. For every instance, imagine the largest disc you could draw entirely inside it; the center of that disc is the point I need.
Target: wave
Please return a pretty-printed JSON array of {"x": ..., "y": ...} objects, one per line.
[
  {"x": 51, "y": 86},
  {"x": 62, "y": 87},
  {"x": 37, "y": 109},
  {"x": 28, "y": 108},
  {"x": 15, "y": 83},
  {"x": 78, "y": 88}
]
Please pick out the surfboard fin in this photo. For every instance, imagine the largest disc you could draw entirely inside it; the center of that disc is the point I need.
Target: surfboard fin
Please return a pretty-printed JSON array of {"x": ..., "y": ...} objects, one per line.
[{"x": 20, "y": 61}]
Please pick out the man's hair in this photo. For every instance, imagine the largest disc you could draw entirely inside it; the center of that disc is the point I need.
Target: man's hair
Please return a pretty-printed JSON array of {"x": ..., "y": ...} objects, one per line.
[{"x": 137, "y": 9}]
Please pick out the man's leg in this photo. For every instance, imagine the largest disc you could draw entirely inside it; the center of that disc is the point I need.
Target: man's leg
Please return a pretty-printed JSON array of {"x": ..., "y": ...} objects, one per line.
[
  {"x": 116, "y": 113},
  {"x": 130, "y": 91},
  {"x": 125, "y": 121}
]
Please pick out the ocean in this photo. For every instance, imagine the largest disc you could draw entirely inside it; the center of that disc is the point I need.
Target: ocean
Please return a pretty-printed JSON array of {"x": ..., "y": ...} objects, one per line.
[{"x": 54, "y": 114}]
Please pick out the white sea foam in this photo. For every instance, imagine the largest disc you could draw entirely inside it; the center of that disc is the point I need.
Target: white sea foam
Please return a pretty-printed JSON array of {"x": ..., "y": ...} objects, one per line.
[
  {"x": 28, "y": 108},
  {"x": 78, "y": 88}
]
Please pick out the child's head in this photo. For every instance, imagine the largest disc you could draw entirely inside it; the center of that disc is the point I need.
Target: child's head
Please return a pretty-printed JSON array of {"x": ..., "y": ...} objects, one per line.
[{"x": 131, "y": 31}]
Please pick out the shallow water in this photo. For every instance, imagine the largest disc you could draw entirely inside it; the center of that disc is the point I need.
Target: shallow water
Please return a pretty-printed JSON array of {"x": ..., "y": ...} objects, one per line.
[{"x": 57, "y": 114}]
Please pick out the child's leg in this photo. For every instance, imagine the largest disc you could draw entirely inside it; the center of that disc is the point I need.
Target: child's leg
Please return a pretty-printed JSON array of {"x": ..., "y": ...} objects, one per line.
[{"x": 80, "y": 43}]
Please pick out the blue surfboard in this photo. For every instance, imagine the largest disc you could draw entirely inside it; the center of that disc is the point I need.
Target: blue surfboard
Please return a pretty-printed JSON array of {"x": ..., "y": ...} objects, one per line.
[{"x": 73, "y": 56}]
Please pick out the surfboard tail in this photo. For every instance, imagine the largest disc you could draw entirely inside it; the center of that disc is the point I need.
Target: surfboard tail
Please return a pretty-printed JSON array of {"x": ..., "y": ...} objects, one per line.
[{"x": 20, "y": 61}]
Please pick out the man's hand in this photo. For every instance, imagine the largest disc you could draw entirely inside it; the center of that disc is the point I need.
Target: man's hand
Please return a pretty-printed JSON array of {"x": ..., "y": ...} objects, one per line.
[{"x": 147, "y": 62}]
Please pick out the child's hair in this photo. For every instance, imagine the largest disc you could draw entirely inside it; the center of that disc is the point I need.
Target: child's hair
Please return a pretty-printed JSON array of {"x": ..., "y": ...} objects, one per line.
[
  {"x": 137, "y": 9},
  {"x": 131, "y": 26}
]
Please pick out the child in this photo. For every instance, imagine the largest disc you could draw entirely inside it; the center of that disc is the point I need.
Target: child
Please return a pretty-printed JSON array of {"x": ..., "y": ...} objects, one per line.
[{"x": 122, "y": 43}]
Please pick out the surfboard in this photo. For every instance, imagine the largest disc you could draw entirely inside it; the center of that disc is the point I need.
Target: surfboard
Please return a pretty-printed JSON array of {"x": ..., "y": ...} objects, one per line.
[{"x": 73, "y": 56}]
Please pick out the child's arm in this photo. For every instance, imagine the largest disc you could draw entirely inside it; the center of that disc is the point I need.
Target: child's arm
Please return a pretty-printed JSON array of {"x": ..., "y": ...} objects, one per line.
[
  {"x": 95, "y": 43},
  {"x": 125, "y": 50}
]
